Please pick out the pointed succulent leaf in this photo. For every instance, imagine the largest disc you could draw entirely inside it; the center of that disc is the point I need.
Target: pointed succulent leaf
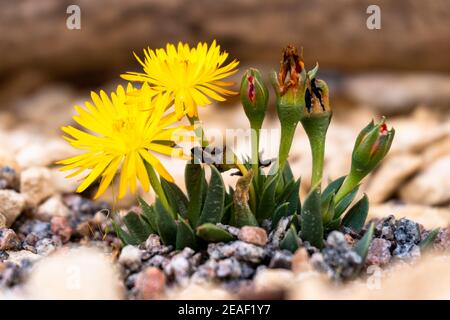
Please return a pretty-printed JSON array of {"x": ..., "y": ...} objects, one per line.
[
  {"x": 177, "y": 199},
  {"x": 362, "y": 246},
  {"x": 287, "y": 173},
  {"x": 356, "y": 216},
  {"x": 290, "y": 241},
  {"x": 327, "y": 208},
  {"x": 267, "y": 203},
  {"x": 280, "y": 212},
  {"x": 194, "y": 176},
  {"x": 137, "y": 228},
  {"x": 342, "y": 205},
  {"x": 213, "y": 208},
  {"x": 333, "y": 187},
  {"x": 311, "y": 219},
  {"x": 429, "y": 239},
  {"x": 185, "y": 236},
  {"x": 332, "y": 225},
  {"x": 149, "y": 214},
  {"x": 124, "y": 236},
  {"x": 242, "y": 214},
  {"x": 291, "y": 195},
  {"x": 167, "y": 227},
  {"x": 212, "y": 233}
]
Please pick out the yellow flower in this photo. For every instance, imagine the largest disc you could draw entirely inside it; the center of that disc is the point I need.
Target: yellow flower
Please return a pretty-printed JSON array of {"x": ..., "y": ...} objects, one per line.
[
  {"x": 118, "y": 135},
  {"x": 191, "y": 76}
]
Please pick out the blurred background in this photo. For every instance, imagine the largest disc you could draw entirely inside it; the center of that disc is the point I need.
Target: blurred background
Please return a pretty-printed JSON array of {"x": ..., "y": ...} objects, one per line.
[{"x": 401, "y": 70}]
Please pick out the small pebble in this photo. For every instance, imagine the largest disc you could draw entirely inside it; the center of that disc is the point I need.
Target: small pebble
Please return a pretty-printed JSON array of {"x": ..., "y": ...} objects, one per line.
[
  {"x": 282, "y": 259},
  {"x": 228, "y": 268},
  {"x": 300, "y": 261},
  {"x": 443, "y": 239},
  {"x": 11, "y": 205},
  {"x": 379, "y": 252},
  {"x": 253, "y": 235},
  {"x": 150, "y": 284},
  {"x": 130, "y": 257},
  {"x": 61, "y": 227},
  {"x": 9, "y": 240},
  {"x": 8, "y": 178}
]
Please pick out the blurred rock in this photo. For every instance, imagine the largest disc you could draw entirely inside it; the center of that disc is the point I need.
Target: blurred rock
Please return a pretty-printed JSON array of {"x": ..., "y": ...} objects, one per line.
[
  {"x": 62, "y": 184},
  {"x": 300, "y": 261},
  {"x": 195, "y": 291},
  {"x": 22, "y": 256},
  {"x": 8, "y": 240},
  {"x": 130, "y": 257},
  {"x": 46, "y": 152},
  {"x": 253, "y": 235},
  {"x": 11, "y": 205},
  {"x": 394, "y": 93},
  {"x": 35, "y": 185},
  {"x": 81, "y": 273},
  {"x": 389, "y": 177},
  {"x": 431, "y": 187},
  {"x": 9, "y": 178},
  {"x": 2, "y": 221},
  {"x": 273, "y": 279},
  {"x": 427, "y": 216},
  {"x": 58, "y": 50},
  {"x": 379, "y": 252},
  {"x": 61, "y": 227},
  {"x": 52, "y": 207},
  {"x": 150, "y": 284}
]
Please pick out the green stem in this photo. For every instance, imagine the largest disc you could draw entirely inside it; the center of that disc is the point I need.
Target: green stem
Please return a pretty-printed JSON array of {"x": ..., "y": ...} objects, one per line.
[
  {"x": 316, "y": 127},
  {"x": 255, "y": 153},
  {"x": 350, "y": 182},
  {"x": 286, "y": 138},
  {"x": 156, "y": 185}
]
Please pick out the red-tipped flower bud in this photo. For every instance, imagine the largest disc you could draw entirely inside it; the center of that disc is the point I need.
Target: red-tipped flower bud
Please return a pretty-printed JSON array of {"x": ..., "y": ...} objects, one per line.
[
  {"x": 254, "y": 97},
  {"x": 371, "y": 146}
]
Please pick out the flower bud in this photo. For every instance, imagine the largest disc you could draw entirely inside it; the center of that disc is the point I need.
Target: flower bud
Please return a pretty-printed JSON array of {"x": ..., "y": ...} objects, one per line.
[
  {"x": 371, "y": 146},
  {"x": 290, "y": 88},
  {"x": 254, "y": 97},
  {"x": 316, "y": 121}
]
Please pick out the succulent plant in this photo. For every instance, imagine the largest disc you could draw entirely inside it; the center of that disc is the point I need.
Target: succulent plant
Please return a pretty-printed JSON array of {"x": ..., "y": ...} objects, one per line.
[{"x": 260, "y": 196}]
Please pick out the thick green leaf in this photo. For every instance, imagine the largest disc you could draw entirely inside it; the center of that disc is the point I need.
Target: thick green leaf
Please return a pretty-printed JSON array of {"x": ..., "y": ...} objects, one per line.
[
  {"x": 148, "y": 214},
  {"x": 332, "y": 187},
  {"x": 194, "y": 176},
  {"x": 212, "y": 211},
  {"x": 212, "y": 233},
  {"x": 267, "y": 202},
  {"x": 429, "y": 239},
  {"x": 280, "y": 212},
  {"x": 356, "y": 216},
  {"x": 185, "y": 236},
  {"x": 177, "y": 199},
  {"x": 137, "y": 228},
  {"x": 327, "y": 207},
  {"x": 362, "y": 246},
  {"x": 291, "y": 195},
  {"x": 311, "y": 219},
  {"x": 124, "y": 236},
  {"x": 287, "y": 173},
  {"x": 290, "y": 241},
  {"x": 345, "y": 202},
  {"x": 167, "y": 227}
]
